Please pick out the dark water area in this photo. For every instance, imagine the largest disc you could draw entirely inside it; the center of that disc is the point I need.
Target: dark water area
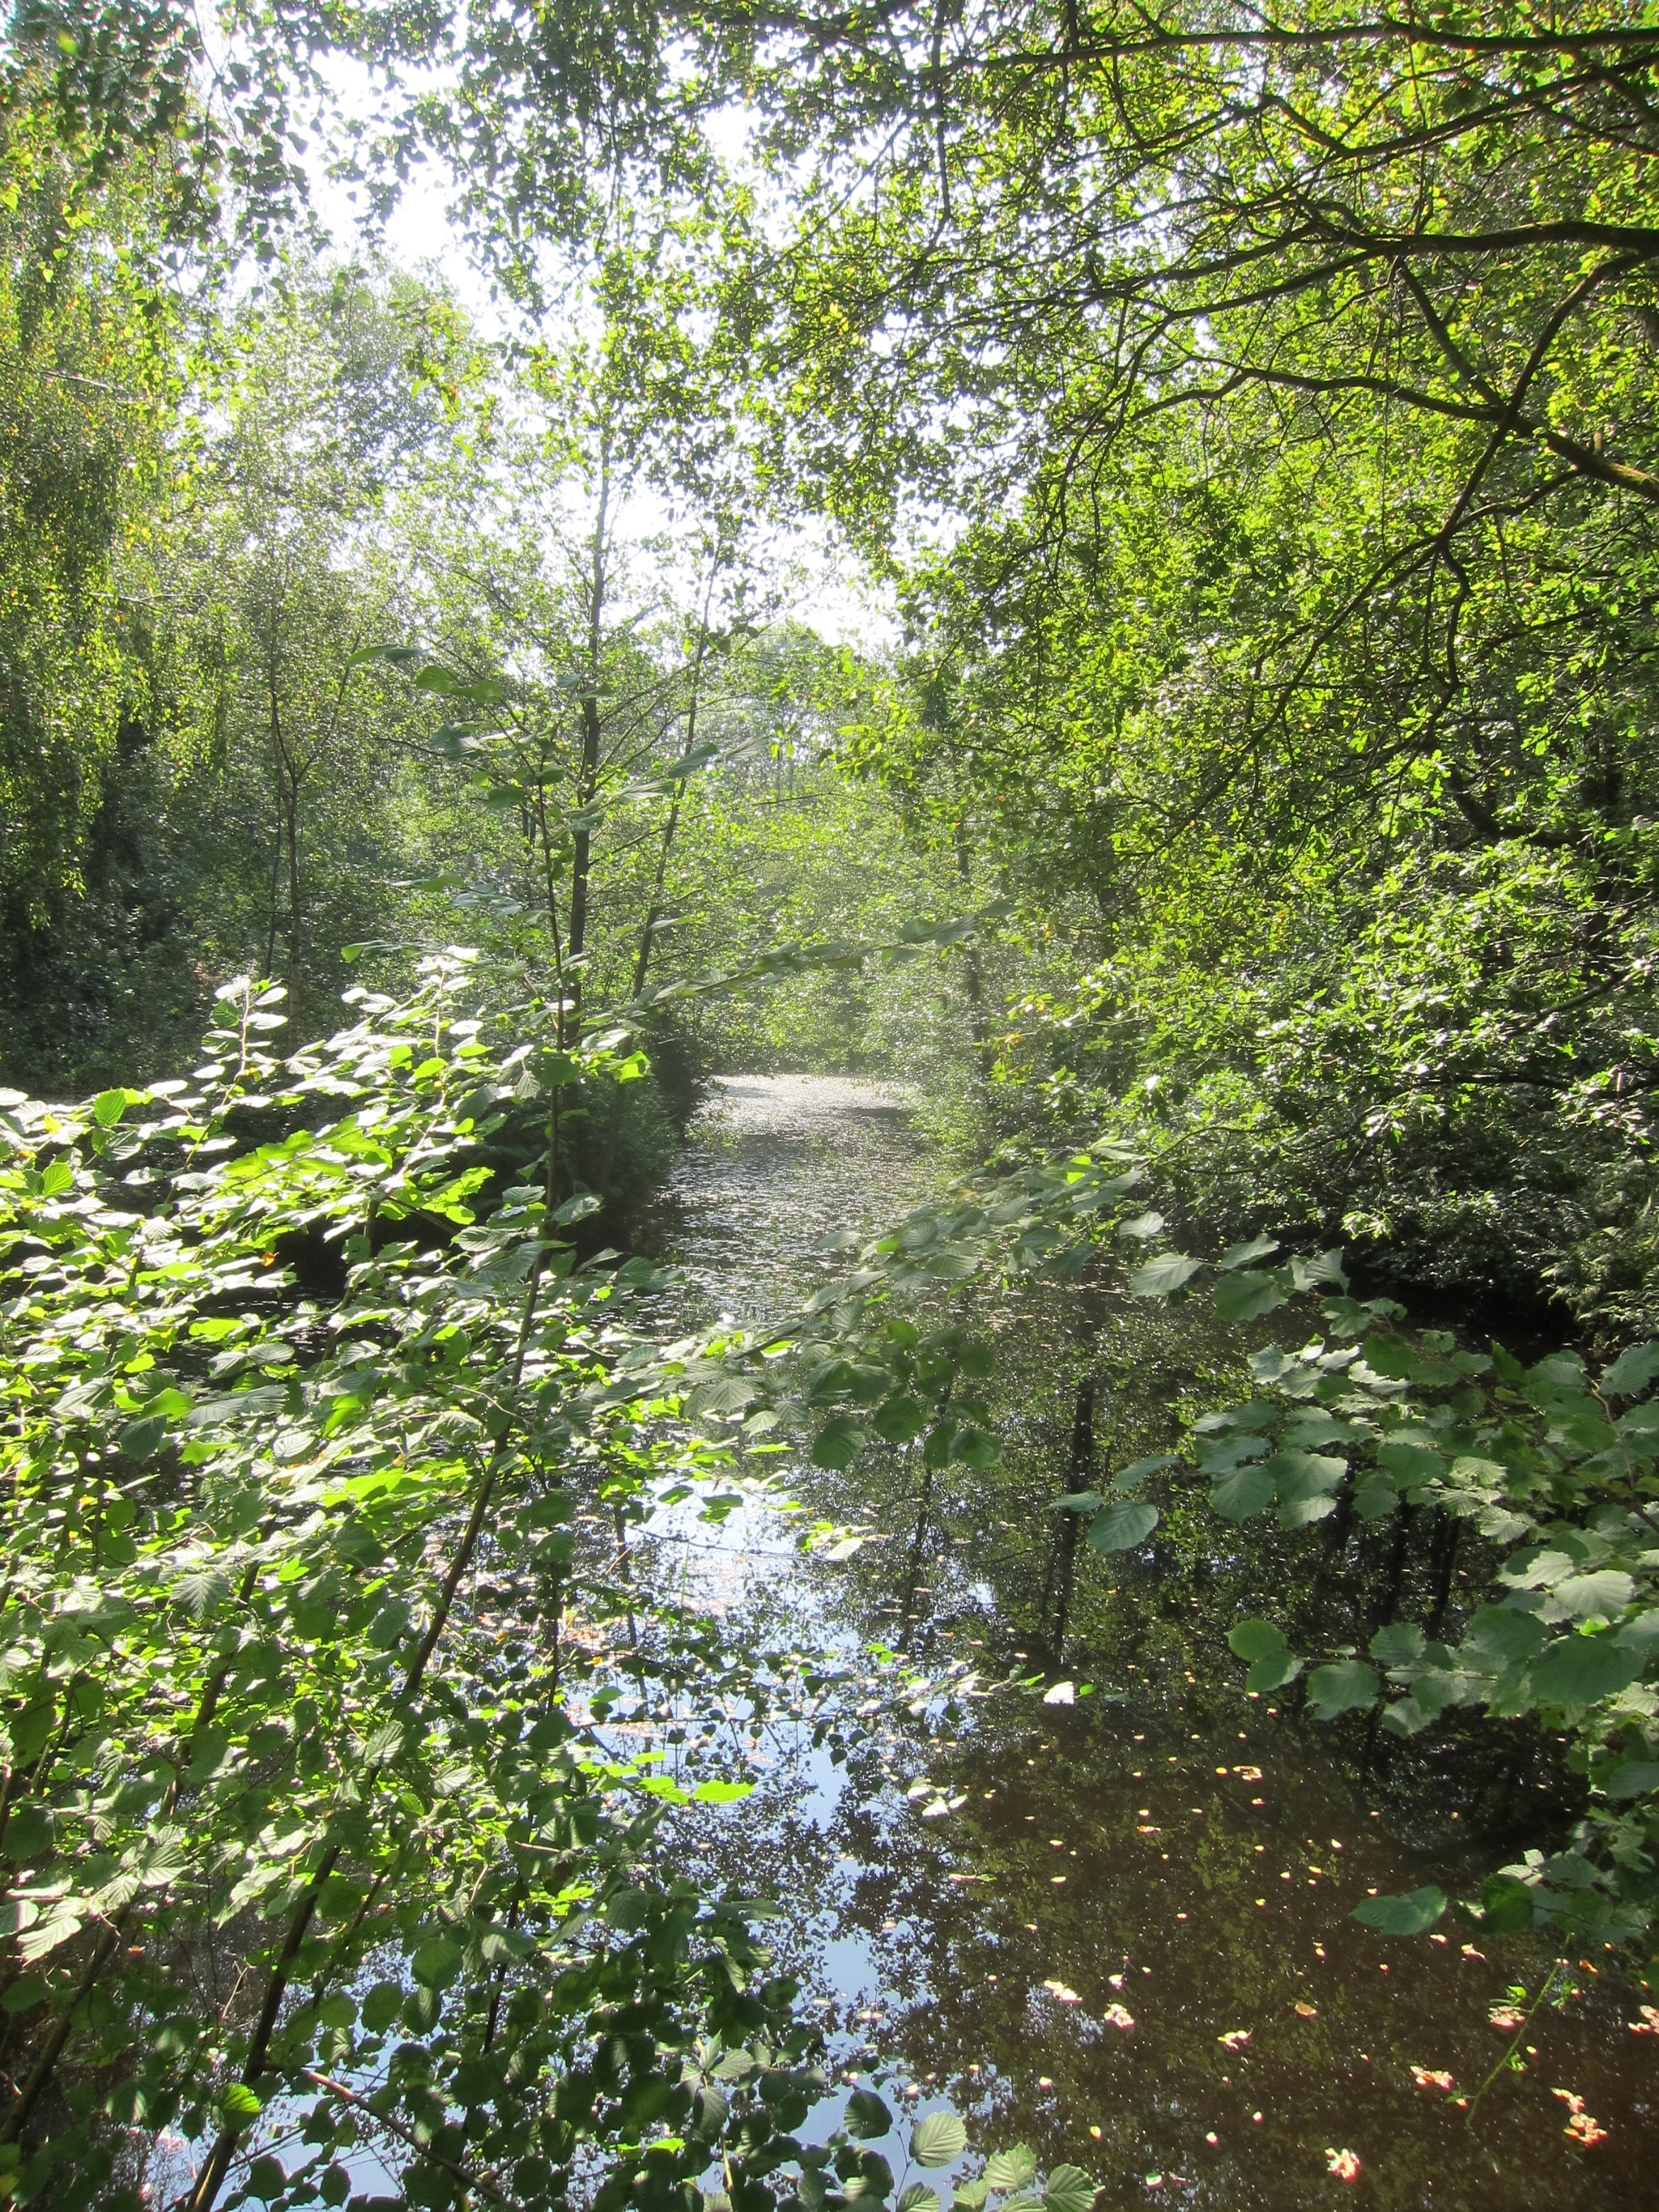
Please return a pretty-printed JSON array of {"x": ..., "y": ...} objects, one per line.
[{"x": 1118, "y": 1929}]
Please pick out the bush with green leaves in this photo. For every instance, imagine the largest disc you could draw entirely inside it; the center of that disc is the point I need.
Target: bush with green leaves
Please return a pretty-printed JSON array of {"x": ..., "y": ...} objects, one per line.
[
  {"x": 286, "y": 1813},
  {"x": 309, "y": 1403},
  {"x": 1555, "y": 1467}
]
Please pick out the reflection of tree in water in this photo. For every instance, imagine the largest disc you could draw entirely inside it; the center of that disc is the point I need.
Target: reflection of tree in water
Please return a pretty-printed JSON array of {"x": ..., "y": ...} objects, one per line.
[{"x": 1186, "y": 1859}]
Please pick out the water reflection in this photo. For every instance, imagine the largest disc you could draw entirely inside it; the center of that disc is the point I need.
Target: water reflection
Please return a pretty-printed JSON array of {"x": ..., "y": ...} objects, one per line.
[{"x": 1129, "y": 1941}]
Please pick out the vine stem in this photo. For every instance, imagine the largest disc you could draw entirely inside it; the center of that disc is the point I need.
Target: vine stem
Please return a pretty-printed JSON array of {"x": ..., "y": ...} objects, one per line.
[{"x": 1509, "y": 2054}]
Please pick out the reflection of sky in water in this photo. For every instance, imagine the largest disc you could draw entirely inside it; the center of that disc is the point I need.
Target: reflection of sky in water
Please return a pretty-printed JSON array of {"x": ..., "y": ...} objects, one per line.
[
  {"x": 1122, "y": 1886},
  {"x": 1102, "y": 1867}
]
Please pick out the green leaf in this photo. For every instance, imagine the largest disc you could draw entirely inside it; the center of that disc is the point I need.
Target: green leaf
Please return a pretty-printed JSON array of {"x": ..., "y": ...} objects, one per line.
[
  {"x": 1068, "y": 2189},
  {"x": 1273, "y": 1672},
  {"x": 1504, "y": 1633},
  {"x": 918, "y": 2197},
  {"x": 1243, "y": 1296},
  {"x": 436, "y": 1964},
  {"x": 976, "y": 1449},
  {"x": 1414, "y": 1914},
  {"x": 1410, "y": 1464},
  {"x": 721, "y": 1793},
  {"x": 1397, "y": 1645},
  {"x": 1247, "y": 1490},
  {"x": 1507, "y": 1905},
  {"x": 1138, "y": 1470},
  {"x": 1161, "y": 1277},
  {"x": 141, "y": 1440},
  {"x": 866, "y": 2117},
  {"x": 240, "y": 2107},
  {"x": 1577, "y": 1670},
  {"x": 1374, "y": 1500},
  {"x": 1241, "y": 1255},
  {"x": 897, "y": 1420},
  {"x": 381, "y": 2007},
  {"x": 1255, "y": 1639},
  {"x": 838, "y": 1443},
  {"x": 970, "y": 2196},
  {"x": 1342, "y": 1687},
  {"x": 1633, "y": 1777},
  {"x": 1120, "y": 1527},
  {"x": 1078, "y": 1501},
  {"x": 937, "y": 2138},
  {"x": 28, "y": 1833},
  {"x": 108, "y": 1107},
  {"x": 1593, "y": 1597},
  {"x": 1631, "y": 1372},
  {"x": 1014, "y": 2169}
]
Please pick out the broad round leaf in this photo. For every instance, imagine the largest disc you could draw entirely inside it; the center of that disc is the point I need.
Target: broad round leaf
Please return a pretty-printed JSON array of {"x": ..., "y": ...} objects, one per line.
[
  {"x": 866, "y": 2116},
  {"x": 240, "y": 2107},
  {"x": 1414, "y": 1914},
  {"x": 1245, "y": 1492},
  {"x": 1243, "y": 1296},
  {"x": 1634, "y": 1369},
  {"x": 1255, "y": 1639},
  {"x": 1121, "y": 1527},
  {"x": 1342, "y": 1688},
  {"x": 838, "y": 1442},
  {"x": 1164, "y": 1275},
  {"x": 1633, "y": 1777},
  {"x": 1507, "y": 1905},
  {"x": 1577, "y": 1670},
  {"x": 436, "y": 1964},
  {"x": 1014, "y": 2169},
  {"x": 938, "y": 2138},
  {"x": 1068, "y": 2189},
  {"x": 897, "y": 1420},
  {"x": 1273, "y": 1672}
]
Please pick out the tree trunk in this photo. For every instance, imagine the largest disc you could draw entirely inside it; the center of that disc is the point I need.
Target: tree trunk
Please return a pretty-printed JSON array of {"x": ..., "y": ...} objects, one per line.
[
  {"x": 587, "y": 775},
  {"x": 1062, "y": 1557}
]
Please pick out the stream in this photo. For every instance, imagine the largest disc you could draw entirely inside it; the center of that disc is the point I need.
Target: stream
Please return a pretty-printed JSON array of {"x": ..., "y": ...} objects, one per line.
[{"x": 1117, "y": 1930}]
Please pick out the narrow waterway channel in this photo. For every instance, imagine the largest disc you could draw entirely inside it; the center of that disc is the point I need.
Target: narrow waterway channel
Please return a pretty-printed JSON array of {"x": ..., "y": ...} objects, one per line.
[{"x": 1117, "y": 1930}]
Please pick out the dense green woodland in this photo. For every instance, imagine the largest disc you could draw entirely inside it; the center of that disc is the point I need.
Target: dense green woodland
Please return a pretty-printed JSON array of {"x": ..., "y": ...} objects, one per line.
[{"x": 1247, "y": 843}]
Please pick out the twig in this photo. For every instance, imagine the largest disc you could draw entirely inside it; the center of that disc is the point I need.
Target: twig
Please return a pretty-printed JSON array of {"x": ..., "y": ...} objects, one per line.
[{"x": 1508, "y": 2056}]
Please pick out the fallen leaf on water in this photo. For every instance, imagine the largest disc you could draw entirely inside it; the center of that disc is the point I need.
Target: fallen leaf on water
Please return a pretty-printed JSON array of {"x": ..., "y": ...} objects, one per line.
[
  {"x": 1307, "y": 2011},
  {"x": 1343, "y": 2164},
  {"x": 1649, "y": 2023},
  {"x": 1427, "y": 2077},
  {"x": 1117, "y": 1981},
  {"x": 1506, "y": 2018},
  {"x": 1248, "y": 1773},
  {"x": 1061, "y": 1994},
  {"x": 1580, "y": 2126},
  {"x": 1115, "y": 2016},
  {"x": 1234, "y": 2037}
]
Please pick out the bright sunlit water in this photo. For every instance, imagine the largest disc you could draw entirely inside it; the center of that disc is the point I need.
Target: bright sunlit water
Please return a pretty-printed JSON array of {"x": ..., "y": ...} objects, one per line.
[{"x": 1130, "y": 1944}]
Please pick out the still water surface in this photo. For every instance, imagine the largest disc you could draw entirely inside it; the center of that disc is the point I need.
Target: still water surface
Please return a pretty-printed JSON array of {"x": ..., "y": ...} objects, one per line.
[{"x": 1129, "y": 1944}]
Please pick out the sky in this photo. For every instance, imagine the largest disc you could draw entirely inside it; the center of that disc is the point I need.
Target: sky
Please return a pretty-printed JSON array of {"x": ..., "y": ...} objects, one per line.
[{"x": 827, "y": 590}]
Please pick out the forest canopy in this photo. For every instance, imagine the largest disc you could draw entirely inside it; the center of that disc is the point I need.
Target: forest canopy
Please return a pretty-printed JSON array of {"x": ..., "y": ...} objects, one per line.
[{"x": 1225, "y": 790}]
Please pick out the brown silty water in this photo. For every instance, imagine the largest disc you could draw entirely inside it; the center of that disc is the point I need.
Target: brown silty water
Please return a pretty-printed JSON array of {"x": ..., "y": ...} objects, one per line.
[{"x": 1119, "y": 1929}]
